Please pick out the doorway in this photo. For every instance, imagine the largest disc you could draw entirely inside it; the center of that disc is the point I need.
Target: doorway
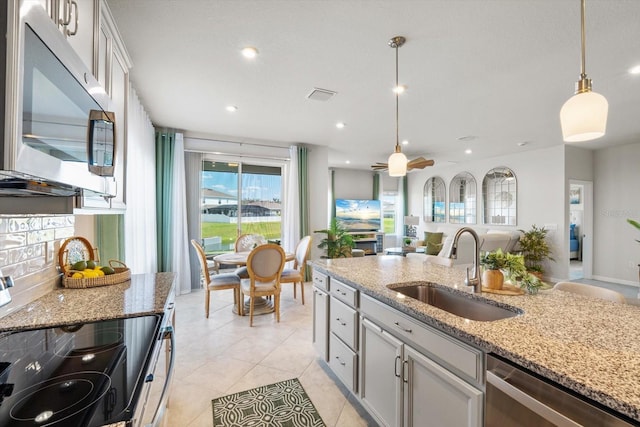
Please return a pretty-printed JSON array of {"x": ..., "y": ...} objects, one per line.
[{"x": 580, "y": 234}]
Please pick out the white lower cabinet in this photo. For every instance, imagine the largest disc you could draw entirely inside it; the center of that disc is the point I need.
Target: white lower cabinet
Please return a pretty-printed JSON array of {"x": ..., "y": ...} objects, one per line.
[
  {"x": 402, "y": 386},
  {"x": 321, "y": 314}
]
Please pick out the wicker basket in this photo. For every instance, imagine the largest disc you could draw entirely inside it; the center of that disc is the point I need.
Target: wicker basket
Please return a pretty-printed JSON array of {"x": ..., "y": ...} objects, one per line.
[{"x": 76, "y": 249}]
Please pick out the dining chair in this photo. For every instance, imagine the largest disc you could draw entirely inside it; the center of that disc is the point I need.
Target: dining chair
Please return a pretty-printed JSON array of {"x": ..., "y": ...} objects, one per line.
[
  {"x": 296, "y": 274},
  {"x": 590, "y": 290},
  {"x": 246, "y": 243},
  {"x": 265, "y": 265},
  {"x": 217, "y": 282}
]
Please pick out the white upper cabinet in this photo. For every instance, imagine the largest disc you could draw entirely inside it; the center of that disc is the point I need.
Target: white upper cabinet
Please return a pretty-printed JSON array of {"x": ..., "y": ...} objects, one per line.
[{"x": 77, "y": 20}]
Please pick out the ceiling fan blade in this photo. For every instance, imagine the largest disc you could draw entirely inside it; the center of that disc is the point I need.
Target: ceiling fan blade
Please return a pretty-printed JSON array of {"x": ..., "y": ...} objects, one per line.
[
  {"x": 419, "y": 163},
  {"x": 380, "y": 166}
]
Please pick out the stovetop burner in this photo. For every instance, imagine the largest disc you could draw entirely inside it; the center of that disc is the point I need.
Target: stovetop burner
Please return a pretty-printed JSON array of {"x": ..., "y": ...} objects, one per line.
[{"x": 61, "y": 399}]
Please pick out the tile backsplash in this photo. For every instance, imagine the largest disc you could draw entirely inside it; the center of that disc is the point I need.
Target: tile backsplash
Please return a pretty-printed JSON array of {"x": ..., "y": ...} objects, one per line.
[{"x": 29, "y": 253}]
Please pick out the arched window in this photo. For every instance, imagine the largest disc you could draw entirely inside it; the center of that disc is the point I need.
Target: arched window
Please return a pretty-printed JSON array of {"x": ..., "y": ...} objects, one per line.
[
  {"x": 500, "y": 197},
  {"x": 462, "y": 199},
  {"x": 435, "y": 196}
]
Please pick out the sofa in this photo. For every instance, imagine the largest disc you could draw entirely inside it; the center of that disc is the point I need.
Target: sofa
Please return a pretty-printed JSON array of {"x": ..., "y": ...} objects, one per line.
[{"x": 489, "y": 241}]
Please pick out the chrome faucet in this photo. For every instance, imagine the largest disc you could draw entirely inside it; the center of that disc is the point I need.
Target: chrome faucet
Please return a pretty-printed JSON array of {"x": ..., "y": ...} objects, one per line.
[{"x": 475, "y": 280}]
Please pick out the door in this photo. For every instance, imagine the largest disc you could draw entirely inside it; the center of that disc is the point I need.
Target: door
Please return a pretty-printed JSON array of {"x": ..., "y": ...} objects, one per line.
[
  {"x": 435, "y": 397},
  {"x": 580, "y": 229},
  {"x": 381, "y": 374},
  {"x": 239, "y": 198}
]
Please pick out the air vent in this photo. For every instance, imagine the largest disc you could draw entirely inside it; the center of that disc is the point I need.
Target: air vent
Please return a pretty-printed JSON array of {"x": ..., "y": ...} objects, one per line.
[{"x": 318, "y": 94}]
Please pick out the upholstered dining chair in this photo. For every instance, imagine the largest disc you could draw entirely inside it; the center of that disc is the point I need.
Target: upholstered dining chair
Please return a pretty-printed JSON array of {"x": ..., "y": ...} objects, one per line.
[
  {"x": 217, "y": 282},
  {"x": 246, "y": 243},
  {"x": 295, "y": 275},
  {"x": 249, "y": 241},
  {"x": 265, "y": 265},
  {"x": 590, "y": 290}
]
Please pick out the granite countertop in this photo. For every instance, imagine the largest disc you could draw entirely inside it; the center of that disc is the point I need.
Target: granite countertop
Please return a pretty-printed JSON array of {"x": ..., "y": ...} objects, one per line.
[
  {"x": 144, "y": 294},
  {"x": 589, "y": 345}
]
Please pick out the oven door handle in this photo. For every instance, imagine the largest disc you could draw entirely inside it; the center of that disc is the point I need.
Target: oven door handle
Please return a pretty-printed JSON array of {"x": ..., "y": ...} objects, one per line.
[
  {"x": 168, "y": 333},
  {"x": 534, "y": 405}
]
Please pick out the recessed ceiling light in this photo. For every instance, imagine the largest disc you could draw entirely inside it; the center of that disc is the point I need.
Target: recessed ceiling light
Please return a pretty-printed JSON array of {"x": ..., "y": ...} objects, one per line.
[
  {"x": 232, "y": 108},
  {"x": 250, "y": 52},
  {"x": 405, "y": 142},
  {"x": 634, "y": 70},
  {"x": 522, "y": 143},
  {"x": 348, "y": 162},
  {"x": 399, "y": 89},
  {"x": 468, "y": 151},
  {"x": 340, "y": 125}
]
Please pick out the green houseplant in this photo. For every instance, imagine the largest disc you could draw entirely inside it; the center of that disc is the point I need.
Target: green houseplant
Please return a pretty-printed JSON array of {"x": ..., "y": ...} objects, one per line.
[
  {"x": 535, "y": 249},
  {"x": 496, "y": 262},
  {"x": 338, "y": 243}
]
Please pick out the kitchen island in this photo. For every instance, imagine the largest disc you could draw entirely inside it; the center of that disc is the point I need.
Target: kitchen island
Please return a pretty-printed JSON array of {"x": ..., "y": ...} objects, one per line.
[{"x": 587, "y": 345}]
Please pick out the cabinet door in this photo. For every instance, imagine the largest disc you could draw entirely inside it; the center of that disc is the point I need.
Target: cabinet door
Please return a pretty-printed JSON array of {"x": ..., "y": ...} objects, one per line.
[
  {"x": 380, "y": 374},
  {"x": 80, "y": 15},
  {"x": 436, "y": 397},
  {"x": 119, "y": 95},
  {"x": 321, "y": 323}
]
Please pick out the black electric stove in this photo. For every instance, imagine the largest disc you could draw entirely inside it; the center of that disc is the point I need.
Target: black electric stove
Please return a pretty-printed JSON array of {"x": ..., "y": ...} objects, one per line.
[{"x": 80, "y": 375}]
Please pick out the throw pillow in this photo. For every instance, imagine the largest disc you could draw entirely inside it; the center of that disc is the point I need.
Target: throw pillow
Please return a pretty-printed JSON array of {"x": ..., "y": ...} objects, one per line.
[{"x": 433, "y": 242}]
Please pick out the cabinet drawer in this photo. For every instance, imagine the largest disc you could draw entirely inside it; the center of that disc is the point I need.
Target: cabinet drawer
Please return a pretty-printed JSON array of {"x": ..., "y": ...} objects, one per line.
[
  {"x": 450, "y": 352},
  {"x": 320, "y": 281},
  {"x": 343, "y": 362},
  {"x": 344, "y": 293},
  {"x": 344, "y": 322}
]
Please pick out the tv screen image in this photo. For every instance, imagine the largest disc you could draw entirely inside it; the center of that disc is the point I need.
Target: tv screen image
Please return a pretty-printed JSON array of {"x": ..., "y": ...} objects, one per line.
[{"x": 359, "y": 215}]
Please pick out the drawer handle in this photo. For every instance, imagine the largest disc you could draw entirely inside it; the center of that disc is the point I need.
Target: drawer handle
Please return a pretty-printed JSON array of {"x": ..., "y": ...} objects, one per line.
[
  {"x": 403, "y": 328},
  {"x": 344, "y": 294},
  {"x": 340, "y": 361},
  {"x": 340, "y": 321}
]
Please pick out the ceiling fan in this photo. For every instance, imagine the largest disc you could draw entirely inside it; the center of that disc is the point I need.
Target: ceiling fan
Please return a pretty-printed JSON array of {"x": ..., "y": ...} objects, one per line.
[{"x": 418, "y": 163}]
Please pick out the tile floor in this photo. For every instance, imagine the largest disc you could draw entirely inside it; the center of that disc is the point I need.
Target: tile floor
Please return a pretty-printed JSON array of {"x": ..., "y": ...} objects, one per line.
[{"x": 222, "y": 355}]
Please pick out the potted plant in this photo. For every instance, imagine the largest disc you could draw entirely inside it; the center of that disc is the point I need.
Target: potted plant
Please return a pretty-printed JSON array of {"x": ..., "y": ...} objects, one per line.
[
  {"x": 407, "y": 241},
  {"x": 535, "y": 249},
  {"x": 495, "y": 262},
  {"x": 338, "y": 243}
]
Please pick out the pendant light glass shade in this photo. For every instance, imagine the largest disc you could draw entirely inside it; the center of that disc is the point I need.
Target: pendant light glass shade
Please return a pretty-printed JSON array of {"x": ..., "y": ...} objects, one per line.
[
  {"x": 584, "y": 117},
  {"x": 397, "y": 164}
]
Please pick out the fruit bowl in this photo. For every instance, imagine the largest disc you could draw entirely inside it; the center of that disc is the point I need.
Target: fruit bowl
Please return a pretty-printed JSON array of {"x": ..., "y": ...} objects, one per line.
[{"x": 81, "y": 268}]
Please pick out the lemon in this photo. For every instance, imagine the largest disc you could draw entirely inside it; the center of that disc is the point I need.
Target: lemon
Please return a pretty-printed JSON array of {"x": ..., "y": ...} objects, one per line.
[
  {"x": 80, "y": 265},
  {"x": 100, "y": 273},
  {"x": 90, "y": 273},
  {"x": 77, "y": 275},
  {"x": 91, "y": 264}
]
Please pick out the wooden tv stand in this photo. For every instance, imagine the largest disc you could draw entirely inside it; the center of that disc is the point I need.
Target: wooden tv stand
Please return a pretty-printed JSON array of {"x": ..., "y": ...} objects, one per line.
[{"x": 371, "y": 242}]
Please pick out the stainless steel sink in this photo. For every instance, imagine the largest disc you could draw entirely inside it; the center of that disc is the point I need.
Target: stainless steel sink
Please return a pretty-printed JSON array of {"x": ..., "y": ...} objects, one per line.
[{"x": 453, "y": 303}]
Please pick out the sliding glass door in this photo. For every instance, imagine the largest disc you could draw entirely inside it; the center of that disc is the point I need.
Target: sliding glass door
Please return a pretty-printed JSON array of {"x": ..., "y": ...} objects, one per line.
[{"x": 237, "y": 198}]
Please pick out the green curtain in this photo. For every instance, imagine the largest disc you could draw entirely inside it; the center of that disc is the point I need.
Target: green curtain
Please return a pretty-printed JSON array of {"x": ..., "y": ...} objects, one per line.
[
  {"x": 376, "y": 186},
  {"x": 165, "y": 144},
  {"x": 110, "y": 238},
  {"x": 303, "y": 191},
  {"x": 333, "y": 193},
  {"x": 405, "y": 196}
]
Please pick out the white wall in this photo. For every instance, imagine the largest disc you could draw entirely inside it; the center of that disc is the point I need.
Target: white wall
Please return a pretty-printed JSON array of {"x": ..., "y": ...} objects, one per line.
[
  {"x": 616, "y": 198},
  {"x": 541, "y": 197},
  {"x": 353, "y": 184}
]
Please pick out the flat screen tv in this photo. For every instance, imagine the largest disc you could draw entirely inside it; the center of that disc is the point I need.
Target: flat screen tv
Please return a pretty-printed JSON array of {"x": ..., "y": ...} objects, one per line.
[{"x": 359, "y": 215}]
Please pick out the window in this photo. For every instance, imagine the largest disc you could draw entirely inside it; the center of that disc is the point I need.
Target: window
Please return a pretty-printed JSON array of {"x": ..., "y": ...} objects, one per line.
[
  {"x": 239, "y": 198},
  {"x": 390, "y": 205}
]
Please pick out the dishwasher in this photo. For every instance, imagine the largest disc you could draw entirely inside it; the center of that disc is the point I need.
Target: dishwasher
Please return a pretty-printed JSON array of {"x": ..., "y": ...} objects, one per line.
[{"x": 517, "y": 397}]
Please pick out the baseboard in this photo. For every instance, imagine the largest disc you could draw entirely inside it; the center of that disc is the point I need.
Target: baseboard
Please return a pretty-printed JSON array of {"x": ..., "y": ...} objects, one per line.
[{"x": 617, "y": 281}]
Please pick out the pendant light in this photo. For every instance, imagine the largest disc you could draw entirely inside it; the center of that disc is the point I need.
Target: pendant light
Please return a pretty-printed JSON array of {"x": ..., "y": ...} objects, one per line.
[
  {"x": 397, "y": 161},
  {"x": 584, "y": 116}
]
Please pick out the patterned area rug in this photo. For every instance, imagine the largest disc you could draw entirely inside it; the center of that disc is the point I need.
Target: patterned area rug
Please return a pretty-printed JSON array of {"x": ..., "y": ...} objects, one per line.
[{"x": 283, "y": 404}]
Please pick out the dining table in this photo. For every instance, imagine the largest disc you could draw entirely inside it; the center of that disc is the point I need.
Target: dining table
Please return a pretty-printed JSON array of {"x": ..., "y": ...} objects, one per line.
[{"x": 261, "y": 305}]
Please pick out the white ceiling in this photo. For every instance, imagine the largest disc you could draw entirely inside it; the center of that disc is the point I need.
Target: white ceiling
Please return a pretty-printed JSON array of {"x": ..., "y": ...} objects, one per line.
[{"x": 499, "y": 70}]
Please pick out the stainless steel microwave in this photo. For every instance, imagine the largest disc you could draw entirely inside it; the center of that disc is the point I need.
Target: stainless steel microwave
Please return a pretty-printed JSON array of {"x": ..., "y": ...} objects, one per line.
[{"x": 59, "y": 136}]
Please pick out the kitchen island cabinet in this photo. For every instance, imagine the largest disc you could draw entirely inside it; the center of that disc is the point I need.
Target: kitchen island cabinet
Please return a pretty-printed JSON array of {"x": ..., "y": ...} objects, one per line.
[{"x": 587, "y": 345}]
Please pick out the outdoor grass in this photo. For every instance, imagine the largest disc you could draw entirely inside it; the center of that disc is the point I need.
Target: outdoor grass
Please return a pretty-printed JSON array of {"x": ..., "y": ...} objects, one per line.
[{"x": 229, "y": 232}]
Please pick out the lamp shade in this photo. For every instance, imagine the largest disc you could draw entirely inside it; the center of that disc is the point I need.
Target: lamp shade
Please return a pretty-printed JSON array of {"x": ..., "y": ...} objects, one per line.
[
  {"x": 411, "y": 220},
  {"x": 397, "y": 164},
  {"x": 584, "y": 117}
]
